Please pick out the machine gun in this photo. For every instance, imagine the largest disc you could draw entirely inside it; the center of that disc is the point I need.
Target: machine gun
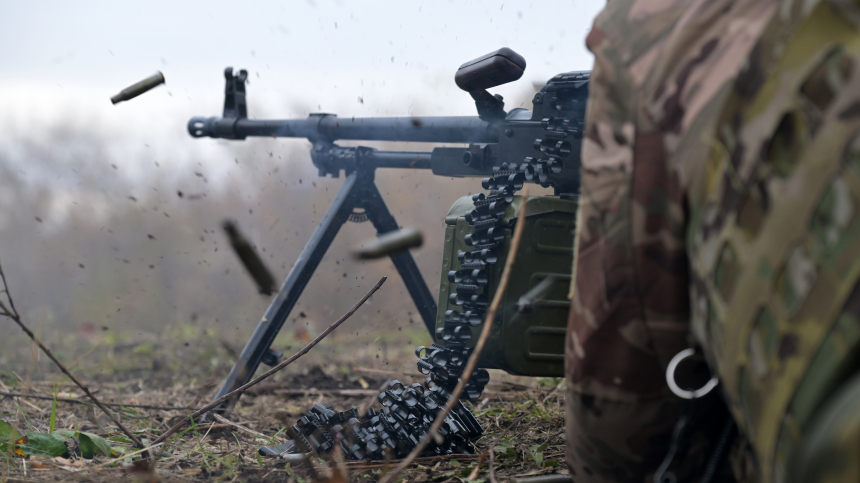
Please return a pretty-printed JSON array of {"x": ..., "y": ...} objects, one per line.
[{"x": 505, "y": 148}]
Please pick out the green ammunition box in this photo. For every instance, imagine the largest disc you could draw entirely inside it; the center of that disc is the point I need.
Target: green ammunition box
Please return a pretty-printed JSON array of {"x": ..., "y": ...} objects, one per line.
[{"x": 530, "y": 342}]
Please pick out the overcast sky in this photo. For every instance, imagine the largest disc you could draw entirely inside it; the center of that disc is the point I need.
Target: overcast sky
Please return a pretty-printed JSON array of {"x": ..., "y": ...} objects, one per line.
[
  {"x": 61, "y": 57},
  {"x": 62, "y": 61}
]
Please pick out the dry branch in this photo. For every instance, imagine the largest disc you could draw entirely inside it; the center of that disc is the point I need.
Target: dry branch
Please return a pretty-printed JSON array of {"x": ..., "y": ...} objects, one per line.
[
  {"x": 12, "y": 313},
  {"x": 240, "y": 428},
  {"x": 196, "y": 414},
  {"x": 333, "y": 392},
  {"x": 492, "y": 476},
  {"x": 476, "y": 352},
  {"x": 79, "y": 401},
  {"x": 115, "y": 460},
  {"x": 474, "y": 474}
]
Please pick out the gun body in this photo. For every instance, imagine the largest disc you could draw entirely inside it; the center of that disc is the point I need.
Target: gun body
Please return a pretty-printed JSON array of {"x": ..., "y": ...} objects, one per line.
[
  {"x": 551, "y": 130},
  {"x": 491, "y": 143}
]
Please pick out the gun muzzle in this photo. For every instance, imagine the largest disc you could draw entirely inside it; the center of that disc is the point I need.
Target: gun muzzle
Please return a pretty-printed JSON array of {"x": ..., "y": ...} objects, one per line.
[{"x": 135, "y": 90}]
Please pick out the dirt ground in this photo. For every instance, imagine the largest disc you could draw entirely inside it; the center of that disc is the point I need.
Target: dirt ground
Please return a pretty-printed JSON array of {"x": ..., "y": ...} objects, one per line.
[{"x": 523, "y": 418}]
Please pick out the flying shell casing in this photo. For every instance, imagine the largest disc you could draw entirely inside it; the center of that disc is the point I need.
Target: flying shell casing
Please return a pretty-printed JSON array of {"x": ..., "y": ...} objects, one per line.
[
  {"x": 139, "y": 88},
  {"x": 255, "y": 266},
  {"x": 391, "y": 243}
]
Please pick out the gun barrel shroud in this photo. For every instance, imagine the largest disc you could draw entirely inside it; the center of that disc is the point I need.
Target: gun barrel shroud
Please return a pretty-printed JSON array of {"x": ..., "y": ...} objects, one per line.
[{"x": 329, "y": 127}]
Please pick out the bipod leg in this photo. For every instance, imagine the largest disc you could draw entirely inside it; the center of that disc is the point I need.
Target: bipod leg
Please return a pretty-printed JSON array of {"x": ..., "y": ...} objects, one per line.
[
  {"x": 258, "y": 349},
  {"x": 384, "y": 222}
]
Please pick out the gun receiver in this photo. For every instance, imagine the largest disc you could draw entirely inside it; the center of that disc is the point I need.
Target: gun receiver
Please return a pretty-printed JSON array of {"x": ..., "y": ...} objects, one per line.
[
  {"x": 508, "y": 138},
  {"x": 494, "y": 137}
]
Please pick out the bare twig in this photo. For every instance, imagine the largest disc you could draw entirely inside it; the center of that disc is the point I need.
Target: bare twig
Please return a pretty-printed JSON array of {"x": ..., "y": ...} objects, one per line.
[
  {"x": 110, "y": 462},
  {"x": 312, "y": 468},
  {"x": 476, "y": 352},
  {"x": 196, "y": 414},
  {"x": 12, "y": 313},
  {"x": 80, "y": 401},
  {"x": 240, "y": 428},
  {"x": 222, "y": 425},
  {"x": 333, "y": 392},
  {"x": 492, "y": 476},
  {"x": 340, "y": 466},
  {"x": 474, "y": 474}
]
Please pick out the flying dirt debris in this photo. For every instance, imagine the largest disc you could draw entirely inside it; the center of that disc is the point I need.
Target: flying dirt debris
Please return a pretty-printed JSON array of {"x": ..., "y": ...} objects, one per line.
[
  {"x": 248, "y": 255},
  {"x": 139, "y": 88},
  {"x": 389, "y": 243}
]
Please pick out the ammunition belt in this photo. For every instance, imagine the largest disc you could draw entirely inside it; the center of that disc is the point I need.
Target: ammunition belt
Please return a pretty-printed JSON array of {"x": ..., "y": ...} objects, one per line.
[
  {"x": 408, "y": 412},
  {"x": 487, "y": 239}
]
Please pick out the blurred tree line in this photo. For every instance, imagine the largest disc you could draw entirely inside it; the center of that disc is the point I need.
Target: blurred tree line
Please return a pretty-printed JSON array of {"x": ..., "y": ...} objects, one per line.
[
  {"x": 133, "y": 244},
  {"x": 103, "y": 232}
]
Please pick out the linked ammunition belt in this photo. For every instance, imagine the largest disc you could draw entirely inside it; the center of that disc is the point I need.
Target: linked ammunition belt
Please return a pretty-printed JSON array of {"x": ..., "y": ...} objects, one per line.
[
  {"x": 409, "y": 411},
  {"x": 444, "y": 363},
  {"x": 407, "y": 414}
]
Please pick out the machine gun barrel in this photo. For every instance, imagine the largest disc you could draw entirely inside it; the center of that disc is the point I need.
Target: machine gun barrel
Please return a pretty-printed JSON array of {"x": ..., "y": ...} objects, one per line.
[{"x": 329, "y": 127}]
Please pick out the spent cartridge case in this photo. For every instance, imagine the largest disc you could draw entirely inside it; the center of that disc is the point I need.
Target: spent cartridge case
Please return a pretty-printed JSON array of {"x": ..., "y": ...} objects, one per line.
[
  {"x": 252, "y": 262},
  {"x": 139, "y": 88},
  {"x": 390, "y": 243}
]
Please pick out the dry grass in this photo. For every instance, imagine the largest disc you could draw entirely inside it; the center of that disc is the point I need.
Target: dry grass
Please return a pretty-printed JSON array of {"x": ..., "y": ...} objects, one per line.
[{"x": 523, "y": 418}]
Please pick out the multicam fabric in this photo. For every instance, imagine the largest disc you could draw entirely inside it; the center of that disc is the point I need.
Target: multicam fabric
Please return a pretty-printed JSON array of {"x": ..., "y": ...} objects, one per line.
[{"x": 720, "y": 191}]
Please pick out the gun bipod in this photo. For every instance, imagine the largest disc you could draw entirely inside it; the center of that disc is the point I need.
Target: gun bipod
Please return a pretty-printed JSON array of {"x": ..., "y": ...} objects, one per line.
[{"x": 358, "y": 191}]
